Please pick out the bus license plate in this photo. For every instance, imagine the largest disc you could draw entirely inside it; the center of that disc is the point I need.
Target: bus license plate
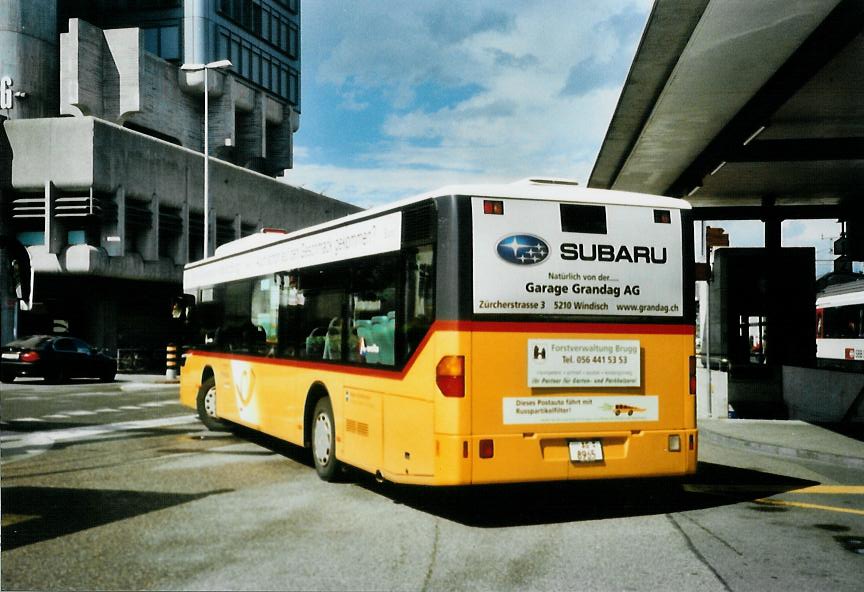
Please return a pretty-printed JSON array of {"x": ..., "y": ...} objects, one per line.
[{"x": 585, "y": 451}]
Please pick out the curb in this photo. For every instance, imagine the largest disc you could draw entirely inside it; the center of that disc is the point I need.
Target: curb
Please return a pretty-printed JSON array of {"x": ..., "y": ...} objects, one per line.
[
  {"x": 853, "y": 462},
  {"x": 133, "y": 378}
]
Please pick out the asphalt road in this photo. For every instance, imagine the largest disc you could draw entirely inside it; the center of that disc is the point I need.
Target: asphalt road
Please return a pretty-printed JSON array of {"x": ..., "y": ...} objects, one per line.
[{"x": 118, "y": 487}]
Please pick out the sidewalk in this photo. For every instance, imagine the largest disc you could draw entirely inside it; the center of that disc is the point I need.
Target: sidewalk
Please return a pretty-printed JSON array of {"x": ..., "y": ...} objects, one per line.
[
  {"x": 147, "y": 378},
  {"x": 789, "y": 438}
]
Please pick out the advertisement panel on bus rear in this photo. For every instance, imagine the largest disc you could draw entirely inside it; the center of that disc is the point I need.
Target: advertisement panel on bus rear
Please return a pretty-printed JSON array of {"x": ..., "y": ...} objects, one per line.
[{"x": 545, "y": 258}]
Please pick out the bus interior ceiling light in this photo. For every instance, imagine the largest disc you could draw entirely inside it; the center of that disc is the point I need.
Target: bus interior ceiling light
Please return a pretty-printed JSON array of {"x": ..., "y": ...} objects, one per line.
[{"x": 491, "y": 206}]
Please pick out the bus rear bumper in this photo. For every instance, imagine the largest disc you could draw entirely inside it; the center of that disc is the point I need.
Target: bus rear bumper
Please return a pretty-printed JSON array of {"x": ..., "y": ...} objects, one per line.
[{"x": 546, "y": 457}]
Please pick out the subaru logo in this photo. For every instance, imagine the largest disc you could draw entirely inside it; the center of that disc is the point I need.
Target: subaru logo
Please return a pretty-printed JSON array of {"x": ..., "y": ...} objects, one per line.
[{"x": 522, "y": 249}]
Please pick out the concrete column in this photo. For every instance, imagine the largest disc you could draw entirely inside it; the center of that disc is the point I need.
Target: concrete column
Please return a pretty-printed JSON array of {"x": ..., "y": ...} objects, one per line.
[
  {"x": 114, "y": 235},
  {"x": 773, "y": 233},
  {"x": 149, "y": 241},
  {"x": 280, "y": 140},
  {"x": 8, "y": 301},
  {"x": 221, "y": 112},
  {"x": 181, "y": 256},
  {"x": 54, "y": 236},
  {"x": 211, "y": 222},
  {"x": 251, "y": 139},
  {"x": 238, "y": 226}
]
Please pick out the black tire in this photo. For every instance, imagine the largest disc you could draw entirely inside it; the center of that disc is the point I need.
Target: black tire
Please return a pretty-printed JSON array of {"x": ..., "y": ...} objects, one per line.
[
  {"x": 7, "y": 377},
  {"x": 206, "y": 404},
  {"x": 108, "y": 376},
  {"x": 56, "y": 376},
  {"x": 324, "y": 441}
]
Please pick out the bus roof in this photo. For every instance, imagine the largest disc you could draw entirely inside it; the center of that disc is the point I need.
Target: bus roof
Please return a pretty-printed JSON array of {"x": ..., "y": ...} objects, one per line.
[
  {"x": 533, "y": 188},
  {"x": 841, "y": 294}
]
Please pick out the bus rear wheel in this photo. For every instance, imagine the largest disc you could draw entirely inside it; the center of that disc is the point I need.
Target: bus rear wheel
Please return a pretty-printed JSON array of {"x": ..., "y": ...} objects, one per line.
[
  {"x": 324, "y": 440},
  {"x": 206, "y": 404}
]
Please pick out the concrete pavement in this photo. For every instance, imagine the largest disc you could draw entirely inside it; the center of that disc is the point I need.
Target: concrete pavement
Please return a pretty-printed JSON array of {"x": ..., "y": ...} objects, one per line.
[{"x": 789, "y": 438}]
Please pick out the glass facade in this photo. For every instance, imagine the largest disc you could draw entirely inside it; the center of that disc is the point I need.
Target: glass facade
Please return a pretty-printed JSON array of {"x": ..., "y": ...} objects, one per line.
[
  {"x": 260, "y": 37},
  {"x": 262, "y": 40}
]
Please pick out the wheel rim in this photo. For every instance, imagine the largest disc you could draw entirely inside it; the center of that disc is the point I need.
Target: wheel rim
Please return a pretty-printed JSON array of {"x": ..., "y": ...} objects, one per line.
[
  {"x": 210, "y": 401},
  {"x": 322, "y": 438}
]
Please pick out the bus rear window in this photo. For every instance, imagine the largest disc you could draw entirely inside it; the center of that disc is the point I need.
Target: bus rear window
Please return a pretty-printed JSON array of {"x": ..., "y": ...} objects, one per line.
[{"x": 584, "y": 219}]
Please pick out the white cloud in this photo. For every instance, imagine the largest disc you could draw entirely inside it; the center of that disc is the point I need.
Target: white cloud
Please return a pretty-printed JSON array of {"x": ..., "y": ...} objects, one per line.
[
  {"x": 367, "y": 187},
  {"x": 522, "y": 104}
]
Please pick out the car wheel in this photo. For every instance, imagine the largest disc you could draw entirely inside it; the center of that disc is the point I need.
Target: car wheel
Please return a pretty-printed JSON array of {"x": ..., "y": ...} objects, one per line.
[
  {"x": 56, "y": 376},
  {"x": 7, "y": 377},
  {"x": 206, "y": 404},
  {"x": 324, "y": 440},
  {"x": 108, "y": 376}
]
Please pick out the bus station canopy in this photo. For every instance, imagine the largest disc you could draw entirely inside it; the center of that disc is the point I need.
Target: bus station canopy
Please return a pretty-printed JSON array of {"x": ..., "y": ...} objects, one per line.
[{"x": 750, "y": 110}]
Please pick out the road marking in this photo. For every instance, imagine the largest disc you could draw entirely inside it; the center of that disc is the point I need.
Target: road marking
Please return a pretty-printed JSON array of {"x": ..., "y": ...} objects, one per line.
[
  {"x": 82, "y": 412},
  {"x": 736, "y": 489},
  {"x": 12, "y": 519},
  {"x": 143, "y": 386},
  {"x": 56, "y": 416},
  {"x": 769, "y": 502},
  {"x": 30, "y": 419},
  {"x": 107, "y": 410},
  {"x": 130, "y": 408},
  {"x": 41, "y": 441},
  {"x": 832, "y": 490}
]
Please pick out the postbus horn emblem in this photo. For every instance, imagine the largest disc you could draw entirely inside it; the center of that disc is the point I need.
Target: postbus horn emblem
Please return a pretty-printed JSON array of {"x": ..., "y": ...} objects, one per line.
[{"x": 522, "y": 249}]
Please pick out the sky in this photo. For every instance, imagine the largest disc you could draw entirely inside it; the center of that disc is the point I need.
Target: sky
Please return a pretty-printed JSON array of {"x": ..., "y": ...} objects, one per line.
[{"x": 401, "y": 97}]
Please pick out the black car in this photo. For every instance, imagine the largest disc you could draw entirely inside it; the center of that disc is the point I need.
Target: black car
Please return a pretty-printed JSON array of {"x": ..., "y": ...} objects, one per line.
[{"x": 54, "y": 358}]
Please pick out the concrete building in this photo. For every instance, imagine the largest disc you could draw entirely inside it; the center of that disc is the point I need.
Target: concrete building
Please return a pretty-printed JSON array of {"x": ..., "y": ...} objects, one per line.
[{"x": 101, "y": 164}]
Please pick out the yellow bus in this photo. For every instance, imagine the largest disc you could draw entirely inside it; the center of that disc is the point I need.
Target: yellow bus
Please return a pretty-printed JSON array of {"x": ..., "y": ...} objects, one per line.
[{"x": 474, "y": 334}]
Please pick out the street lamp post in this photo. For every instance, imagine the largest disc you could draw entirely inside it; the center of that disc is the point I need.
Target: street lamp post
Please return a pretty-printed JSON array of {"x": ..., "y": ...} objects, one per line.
[{"x": 221, "y": 64}]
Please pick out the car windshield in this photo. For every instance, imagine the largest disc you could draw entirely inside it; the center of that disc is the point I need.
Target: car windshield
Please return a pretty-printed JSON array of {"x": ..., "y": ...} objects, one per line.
[{"x": 32, "y": 342}]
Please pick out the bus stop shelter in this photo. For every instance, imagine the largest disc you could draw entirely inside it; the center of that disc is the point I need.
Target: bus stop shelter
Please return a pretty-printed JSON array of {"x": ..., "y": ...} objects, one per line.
[{"x": 751, "y": 111}]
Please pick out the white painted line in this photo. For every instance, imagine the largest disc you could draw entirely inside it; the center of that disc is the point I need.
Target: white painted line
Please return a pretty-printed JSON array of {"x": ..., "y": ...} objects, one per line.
[
  {"x": 56, "y": 416},
  {"x": 107, "y": 410},
  {"x": 144, "y": 386},
  {"x": 82, "y": 412},
  {"x": 40, "y": 439},
  {"x": 130, "y": 407},
  {"x": 29, "y": 419}
]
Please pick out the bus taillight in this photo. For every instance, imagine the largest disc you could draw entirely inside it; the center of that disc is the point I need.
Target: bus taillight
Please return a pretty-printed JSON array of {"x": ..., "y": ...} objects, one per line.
[
  {"x": 692, "y": 375},
  {"x": 450, "y": 376},
  {"x": 487, "y": 448},
  {"x": 495, "y": 207}
]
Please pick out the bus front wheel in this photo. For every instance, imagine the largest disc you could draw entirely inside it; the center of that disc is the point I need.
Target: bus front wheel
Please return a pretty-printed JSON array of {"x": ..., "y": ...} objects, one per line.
[
  {"x": 324, "y": 440},
  {"x": 206, "y": 404}
]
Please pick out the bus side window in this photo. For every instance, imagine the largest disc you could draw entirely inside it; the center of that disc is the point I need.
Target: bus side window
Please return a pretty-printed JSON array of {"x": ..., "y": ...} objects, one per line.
[
  {"x": 419, "y": 297},
  {"x": 372, "y": 335}
]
